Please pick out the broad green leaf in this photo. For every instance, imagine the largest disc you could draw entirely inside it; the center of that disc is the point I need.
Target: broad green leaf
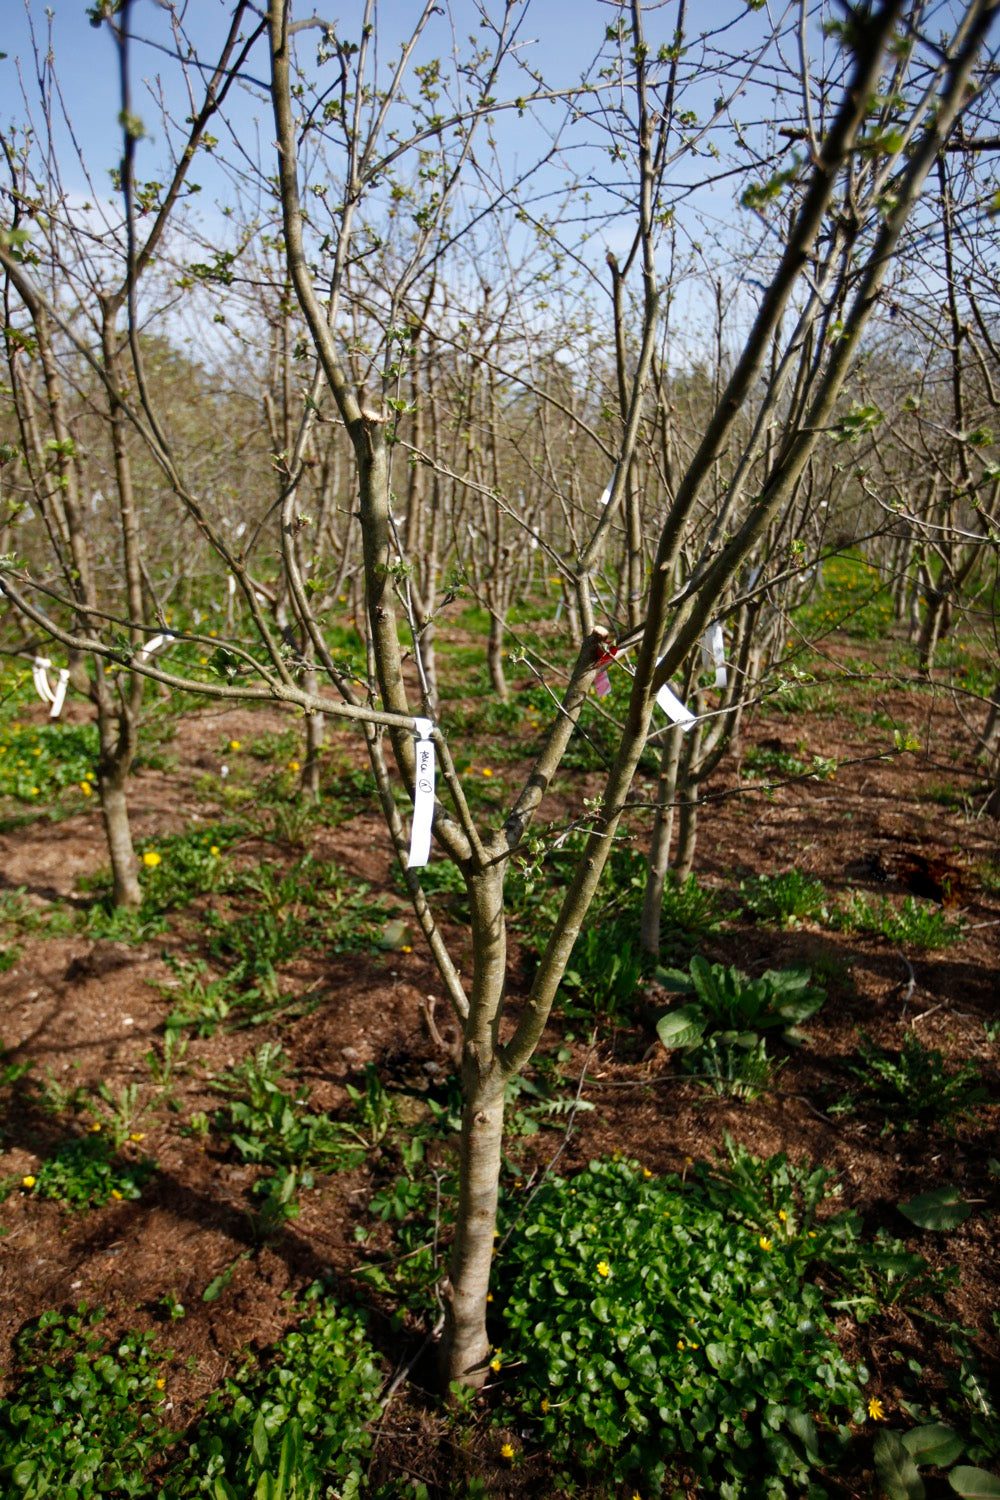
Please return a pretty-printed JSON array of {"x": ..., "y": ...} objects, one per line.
[
  {"x": 933, "y": 1443},
  {"x": 291, "y": 1456},
  {"x": 974, "y": 1484},
  {"x": 601, "y": 1308},
  {"x": 802, "y": 1426},
  {"x": 683, "y": 1027},
  {"x": 896, "y": 1470},
  {"x": 260, "y": 1439},
  {"x": 674, "y": 980},
  {"x": 943, "y": 1208}
]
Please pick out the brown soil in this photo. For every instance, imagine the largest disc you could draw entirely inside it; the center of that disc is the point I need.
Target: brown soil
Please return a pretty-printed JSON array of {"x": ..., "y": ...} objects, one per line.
[{"x": 90, "y": 1011}]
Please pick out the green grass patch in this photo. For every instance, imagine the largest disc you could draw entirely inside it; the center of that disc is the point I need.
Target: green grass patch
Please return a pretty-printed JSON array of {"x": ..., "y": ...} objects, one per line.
[{"x": 40, "y": 761}]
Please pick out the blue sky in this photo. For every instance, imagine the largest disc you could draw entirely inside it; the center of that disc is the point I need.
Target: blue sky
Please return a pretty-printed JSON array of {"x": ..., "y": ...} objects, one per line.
[{"x": 559, "y": 37}]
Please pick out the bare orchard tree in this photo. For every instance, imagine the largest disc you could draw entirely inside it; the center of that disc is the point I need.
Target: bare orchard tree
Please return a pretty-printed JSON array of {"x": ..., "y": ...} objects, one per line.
[
  {"x": 834, "y": 197},
  {"x": 70, "y": 267}
]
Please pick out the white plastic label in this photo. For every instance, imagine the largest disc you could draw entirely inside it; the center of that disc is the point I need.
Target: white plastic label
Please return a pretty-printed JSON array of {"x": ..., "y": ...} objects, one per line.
[
  {"x": 713, "y": 653},
  {"x": 423, "y": 795},
  {"x": 40, "y": 678},
  {"x": 676, "y": 711},
  {"x": 59, "y": 696},
  {"x": 153, "y": 644}
]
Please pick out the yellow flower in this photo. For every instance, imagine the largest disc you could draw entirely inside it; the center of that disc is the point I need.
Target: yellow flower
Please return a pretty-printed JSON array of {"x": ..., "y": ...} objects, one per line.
[
  {"x": 765, "y": 1243},
  {"x": 28, "y": 1181},
  {"x": 34, "y": 791},
  {"x": 876, "y": 1410},
  {"x": 293, "y": 765},
  {"x": 782, "y": 1216},
  {"x": 203, "y": 661},
  {"x": 151, "y": 859},
  {"x": 406, "y": 948},
  {"x": 234, "y": 744},
  {"x": 160, "y": 1384},
  {"x": 487, "y": 771},
  {"x": 115, "y": 1193},
  {"x": 95, "y": 1127},
  {"x": 603, "y": 1269},
  {"x": 545, "y": 1405},
  {"x": 507, "y": 1451},
  {"x": 496, "y": 1365},
  {"x": 646, "y": 1172},
  {"x": 86, "y": 788},
  {"x": 139, "y": 1135},
  {"x": 214, "y": 850},
  {"x": 37, "y": 750}
]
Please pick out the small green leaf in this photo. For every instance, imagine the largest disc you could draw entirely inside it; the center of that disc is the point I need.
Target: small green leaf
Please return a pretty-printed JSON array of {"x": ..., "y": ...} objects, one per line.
[
  {"x": 260, "y": 1439},
  {"x": 394, "y": 936},
  {"x": 974, "y": 1484},
  {"x": 896, "y": 1470},
  {"x": 933, "y": 1443},
  {"x": 943, "y": 1208}
]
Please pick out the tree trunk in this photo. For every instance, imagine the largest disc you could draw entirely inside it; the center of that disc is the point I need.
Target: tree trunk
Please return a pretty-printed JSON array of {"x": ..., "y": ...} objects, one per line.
[
  {"x": 114, "y": 809},
  {"x": 315, "y": 740},
  {"x": 659, "y": 854},
  {"x": 465, "y": 1348},
  {"x": 933, "y": 627},
  {"x": 687, "y": 835},
  {"x": 494, "y": 658}
]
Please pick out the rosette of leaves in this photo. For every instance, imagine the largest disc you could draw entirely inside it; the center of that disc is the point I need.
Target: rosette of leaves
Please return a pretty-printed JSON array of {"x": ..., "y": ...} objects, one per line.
[{"x": 728, "y": 1004}]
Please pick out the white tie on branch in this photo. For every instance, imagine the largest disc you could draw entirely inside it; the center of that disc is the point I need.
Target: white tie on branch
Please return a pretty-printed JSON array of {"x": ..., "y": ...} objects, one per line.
[
  {"x": 676, "y": 711},
  {"x": 423, "y": 795},
  {"x": 55, "y": 696},
  {"x": 713, "y": 653},
  {"x": 39, "y": 675},
  {"x": 153, "y": 644},
  {"x": 59, "y": 696}
]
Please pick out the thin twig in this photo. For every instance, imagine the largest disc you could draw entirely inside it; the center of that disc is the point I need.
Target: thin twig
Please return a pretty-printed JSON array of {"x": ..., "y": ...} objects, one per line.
[{"x": 911, "y": 986}]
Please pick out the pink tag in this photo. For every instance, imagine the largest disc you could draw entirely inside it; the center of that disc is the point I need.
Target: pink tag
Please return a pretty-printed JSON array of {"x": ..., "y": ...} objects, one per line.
[{"x": 602, "y": 683}]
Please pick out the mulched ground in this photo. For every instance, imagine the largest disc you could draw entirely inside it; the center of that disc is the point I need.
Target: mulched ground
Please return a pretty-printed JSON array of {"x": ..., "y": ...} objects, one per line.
[{"x": 90, "y": 1011}]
